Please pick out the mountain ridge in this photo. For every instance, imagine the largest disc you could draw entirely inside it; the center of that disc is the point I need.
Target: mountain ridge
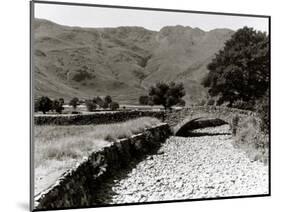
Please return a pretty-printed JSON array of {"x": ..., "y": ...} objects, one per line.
[{"x": 122, "y": 62}]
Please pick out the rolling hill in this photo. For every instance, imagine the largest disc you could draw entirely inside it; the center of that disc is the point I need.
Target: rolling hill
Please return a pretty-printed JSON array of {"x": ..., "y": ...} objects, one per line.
[{"x": 122, "y": 62}]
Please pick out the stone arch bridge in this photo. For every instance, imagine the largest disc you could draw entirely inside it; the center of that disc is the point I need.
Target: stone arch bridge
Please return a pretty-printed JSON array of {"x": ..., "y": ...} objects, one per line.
[{"x": 177, "y": 119}]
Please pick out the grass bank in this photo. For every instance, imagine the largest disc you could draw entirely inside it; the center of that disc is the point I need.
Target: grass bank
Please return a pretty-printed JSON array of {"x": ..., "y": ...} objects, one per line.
[
  {"x": 58, "y": 148},
  {"x": 253, "y": 140},
  {"x": 74, "y": 142}
]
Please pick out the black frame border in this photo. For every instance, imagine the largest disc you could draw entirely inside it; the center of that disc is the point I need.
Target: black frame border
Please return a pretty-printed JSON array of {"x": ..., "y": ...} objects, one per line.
[{"x": 31, "y": 102}]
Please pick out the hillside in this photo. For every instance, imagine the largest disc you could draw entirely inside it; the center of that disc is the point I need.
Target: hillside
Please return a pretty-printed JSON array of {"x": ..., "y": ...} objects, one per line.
[{"x": 122, "y": 62}]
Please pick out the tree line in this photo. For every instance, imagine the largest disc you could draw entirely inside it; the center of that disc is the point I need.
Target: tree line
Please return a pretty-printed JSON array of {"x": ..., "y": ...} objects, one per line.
[
  {"x": 45, "y": 104},
  {"x": 165, "y": 94}
]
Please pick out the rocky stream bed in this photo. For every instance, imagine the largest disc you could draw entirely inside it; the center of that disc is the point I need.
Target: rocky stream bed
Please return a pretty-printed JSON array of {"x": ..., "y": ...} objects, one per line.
[{"x": 203, "y": 165}]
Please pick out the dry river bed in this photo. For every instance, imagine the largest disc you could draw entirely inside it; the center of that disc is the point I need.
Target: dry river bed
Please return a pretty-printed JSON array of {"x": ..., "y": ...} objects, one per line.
[{"x": 205, "y": 165}]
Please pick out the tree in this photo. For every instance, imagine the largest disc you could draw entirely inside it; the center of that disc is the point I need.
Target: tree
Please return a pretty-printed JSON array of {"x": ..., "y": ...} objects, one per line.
[
  {"x": 150, "y": 102},
  {"x": 36, "y": 106},
  {"x": 58, "y": 105},
  {"x": 91, "y": 106},
  {"x": 240, "y": 72},
  {"x": 74, "y": 102},
  {"x": 108, "y": 99},
  {"x": 43, "y": 104},
  {"x": 61, "y": 100},
  {"x": 143, "y": 100},
  {"x": 113, "y": 106},
  {"x": 167, "y": 94},
  {"x": 99, "y": 101}
]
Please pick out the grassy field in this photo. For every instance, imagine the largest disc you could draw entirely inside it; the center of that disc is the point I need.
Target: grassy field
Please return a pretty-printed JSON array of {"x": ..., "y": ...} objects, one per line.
[
  {"x": 58, "y": 148},
  {"x": 74, "y": 142}
]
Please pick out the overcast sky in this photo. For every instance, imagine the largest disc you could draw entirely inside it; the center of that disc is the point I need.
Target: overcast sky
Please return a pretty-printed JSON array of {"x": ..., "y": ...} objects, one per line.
[{"x": 154, "y": 20}]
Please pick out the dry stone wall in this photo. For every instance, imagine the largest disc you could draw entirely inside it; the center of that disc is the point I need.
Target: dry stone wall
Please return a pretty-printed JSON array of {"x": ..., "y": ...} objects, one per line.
[
  {"x": 76, "y": 187},
  {"x": 94, "y": 118}
]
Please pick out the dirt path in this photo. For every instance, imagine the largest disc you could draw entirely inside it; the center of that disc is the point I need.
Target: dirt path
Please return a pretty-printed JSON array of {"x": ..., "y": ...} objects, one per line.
[{"x": 203, "y": 166}]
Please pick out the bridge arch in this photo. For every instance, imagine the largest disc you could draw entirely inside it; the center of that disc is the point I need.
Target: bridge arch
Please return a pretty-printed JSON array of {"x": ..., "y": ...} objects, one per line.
[
  {"x": 186, "y": 125},
  {"x": 179, "y": 118}
]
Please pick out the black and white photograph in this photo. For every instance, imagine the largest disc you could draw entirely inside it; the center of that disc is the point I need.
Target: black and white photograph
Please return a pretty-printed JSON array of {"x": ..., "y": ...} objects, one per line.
[{"x": 142, "y": 105}]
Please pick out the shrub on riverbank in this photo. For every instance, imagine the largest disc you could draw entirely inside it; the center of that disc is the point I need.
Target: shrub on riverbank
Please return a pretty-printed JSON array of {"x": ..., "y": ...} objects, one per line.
[
  {"x": 254, "y": 141},
  {"x": 263, "y": 108}
]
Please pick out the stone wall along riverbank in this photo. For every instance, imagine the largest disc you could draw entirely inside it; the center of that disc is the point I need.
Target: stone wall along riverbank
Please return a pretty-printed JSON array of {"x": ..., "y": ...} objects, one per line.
[{"x": 76, "y": 187}]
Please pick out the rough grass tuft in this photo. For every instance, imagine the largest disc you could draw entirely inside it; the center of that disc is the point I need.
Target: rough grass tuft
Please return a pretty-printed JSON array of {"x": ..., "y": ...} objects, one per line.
[{"x": 253, "y": 140}]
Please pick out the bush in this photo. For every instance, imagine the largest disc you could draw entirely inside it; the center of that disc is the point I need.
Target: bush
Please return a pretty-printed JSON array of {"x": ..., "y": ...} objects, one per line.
[
  {"x": 262, "y": 109},
  {"x": 252, "y": 140},
  {"x": 36, "y": 106},
  {"x": 74, "y": 102},
  {"x": 143, "y": 100},
  {"x": 240, "y": 104},
  {"x": 61, "y": 100},
  {"x": 114, "y": 105},
  {"x": 91, "y": 106},
  {"x": 81, "y": 101},
  {"x": 99, "y": 101},
  {"x": 43, "y": 104},
  {"x": 150, "y": 102},
  {"x": 104, "y": 105},
  {"x": 58, "y": 105},
  {"x": 108, "y": 99}
]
